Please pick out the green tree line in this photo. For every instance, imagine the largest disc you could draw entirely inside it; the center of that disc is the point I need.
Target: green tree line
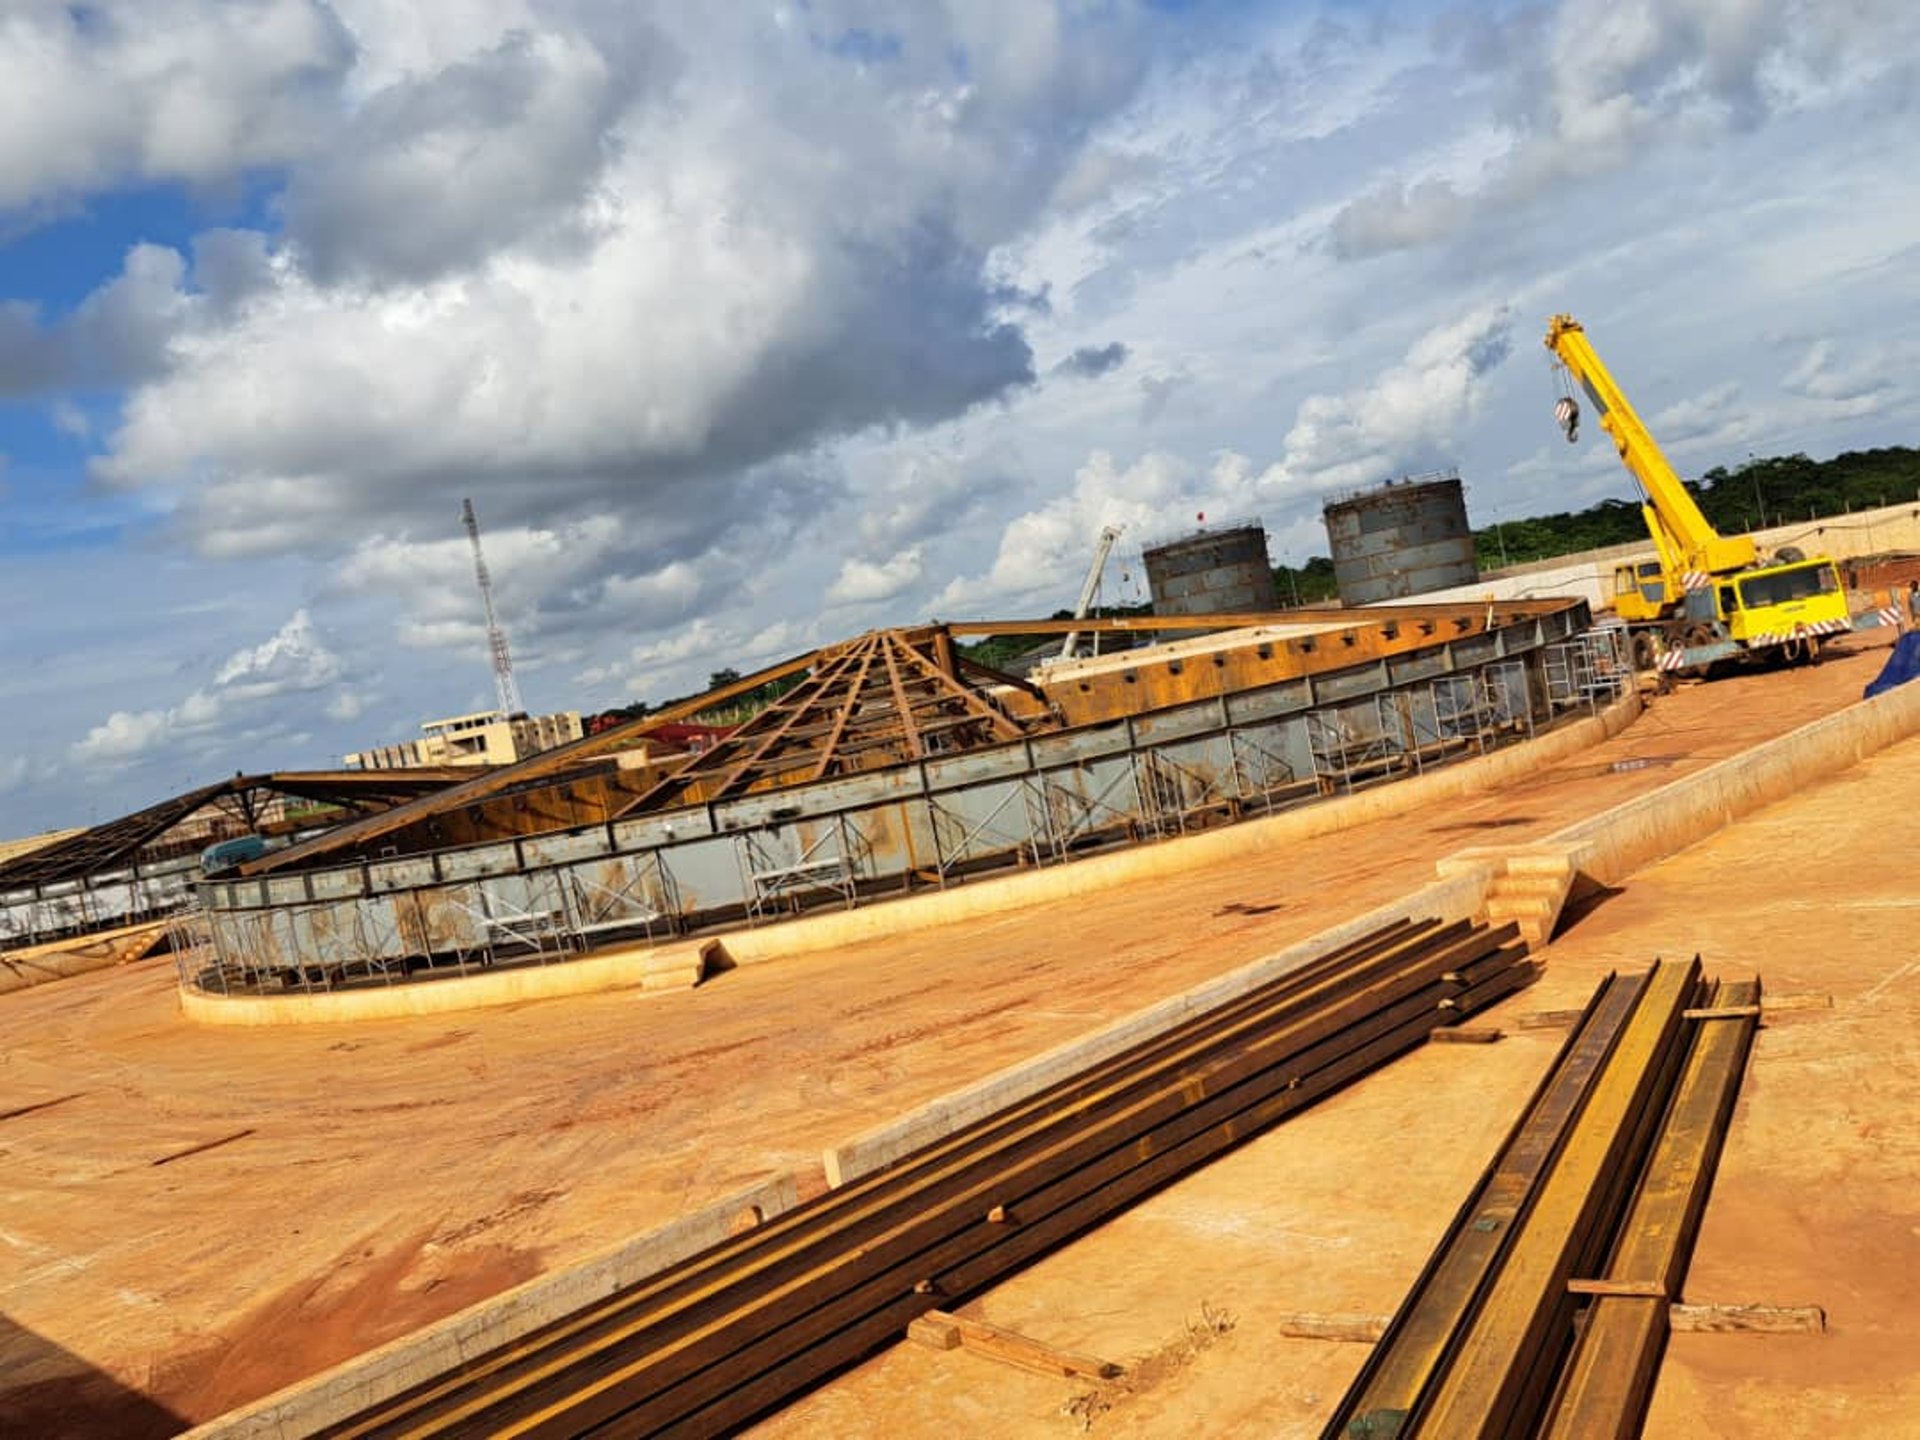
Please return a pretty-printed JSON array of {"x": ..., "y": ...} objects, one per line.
[{"x": 1774, "y": 490}]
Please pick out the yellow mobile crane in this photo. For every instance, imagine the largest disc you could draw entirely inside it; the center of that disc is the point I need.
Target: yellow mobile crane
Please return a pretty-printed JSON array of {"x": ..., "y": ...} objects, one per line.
[{"x": 1709, "y": 596}]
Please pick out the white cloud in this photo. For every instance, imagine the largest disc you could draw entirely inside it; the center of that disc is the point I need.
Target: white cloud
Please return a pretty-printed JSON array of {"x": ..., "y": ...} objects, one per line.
[
  {"x": 680, "y": 662},
  {"x": 124, "y": 735},
  {"x": 17, "y": 772},
  {"x": 1410, "y": 416},
  {"x": 1595, "y": 90},
  {"x": 1715, "y": 417},
  {"x": 439, "y": 170},
  {"x": 293, "y": 661},
  {"x": 617, "y": 254},
  {"x": 863, "y": 582},
  {"x": 1856, "y": 387},
  {"x": 162, "y": 90}
]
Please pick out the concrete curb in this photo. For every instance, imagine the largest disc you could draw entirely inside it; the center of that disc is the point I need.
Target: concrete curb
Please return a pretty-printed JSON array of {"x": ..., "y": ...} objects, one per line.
[
  {"x": 43, "y": 964},
  {"x": 1608, "y": 847},
  {"x": 1453, "y": 899},
  {"x": 678, "y": 964},
  {"x": 334, "y": 1395}
]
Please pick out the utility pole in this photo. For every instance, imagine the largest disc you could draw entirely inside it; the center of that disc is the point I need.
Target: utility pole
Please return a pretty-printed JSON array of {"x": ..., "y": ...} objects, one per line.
[{"x": 507, "y": 692}]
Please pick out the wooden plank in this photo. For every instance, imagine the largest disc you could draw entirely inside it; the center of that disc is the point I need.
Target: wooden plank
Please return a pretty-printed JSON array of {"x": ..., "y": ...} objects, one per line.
[
  {"x": 1747, "y": 1319},
  {"x": 1632, "y": 1289},
  {"x": 1725, "y": 1012},
  {"x": 935, "y": 1330},
  {"x": 1362, "y": 1329},
  {"x": 1806, "y": 1000},
  {"x": 1549, "y": 1019},
  {"x": 1466, "y": 1034},
  {"x": 939, "y": 1330}
]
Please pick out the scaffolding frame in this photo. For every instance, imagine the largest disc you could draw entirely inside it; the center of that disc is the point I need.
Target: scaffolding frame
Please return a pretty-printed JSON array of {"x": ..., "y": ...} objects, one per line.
[
  {"x": 771, "y": 879},
  {"x": 1063, "y": 815}
]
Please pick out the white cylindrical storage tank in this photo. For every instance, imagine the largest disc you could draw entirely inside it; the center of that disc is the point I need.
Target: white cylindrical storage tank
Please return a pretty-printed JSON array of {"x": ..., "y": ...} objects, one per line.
[{"x": 1402, "y": 540}]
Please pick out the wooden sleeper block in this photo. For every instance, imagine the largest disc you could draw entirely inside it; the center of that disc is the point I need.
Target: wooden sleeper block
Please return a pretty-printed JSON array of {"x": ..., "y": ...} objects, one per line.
[{"x": 939, "y": 1330}]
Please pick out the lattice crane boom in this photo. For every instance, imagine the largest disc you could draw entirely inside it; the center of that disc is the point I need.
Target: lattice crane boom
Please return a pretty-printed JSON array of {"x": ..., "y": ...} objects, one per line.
[{"x": 505, "y": 687}]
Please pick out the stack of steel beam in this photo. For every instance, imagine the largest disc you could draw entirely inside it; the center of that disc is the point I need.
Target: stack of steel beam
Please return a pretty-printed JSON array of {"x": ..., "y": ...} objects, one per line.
[
  {"x": 1544, "y": 1310},
  {"x": 734, "y": 1332}
]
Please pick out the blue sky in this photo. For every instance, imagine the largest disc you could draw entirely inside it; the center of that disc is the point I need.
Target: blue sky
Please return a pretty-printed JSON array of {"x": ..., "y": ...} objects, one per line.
[{"x": 750, "y": 327}]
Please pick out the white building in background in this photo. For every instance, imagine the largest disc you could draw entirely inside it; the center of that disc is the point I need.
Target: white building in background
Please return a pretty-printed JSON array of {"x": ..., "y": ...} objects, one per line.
[{"x": 484, "y": 738}]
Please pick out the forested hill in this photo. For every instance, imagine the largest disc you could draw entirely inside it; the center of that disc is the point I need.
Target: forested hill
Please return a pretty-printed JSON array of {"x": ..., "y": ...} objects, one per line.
[{"x": 1773, "y": 491}]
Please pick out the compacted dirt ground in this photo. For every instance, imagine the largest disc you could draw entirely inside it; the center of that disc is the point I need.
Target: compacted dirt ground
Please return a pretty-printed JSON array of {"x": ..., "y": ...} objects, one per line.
[
  {"x": 359, "y": 1181},
  {"x": 1335, "y": 1211}
]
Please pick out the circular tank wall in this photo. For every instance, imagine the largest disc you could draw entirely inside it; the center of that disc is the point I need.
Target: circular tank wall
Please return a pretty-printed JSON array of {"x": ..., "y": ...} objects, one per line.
[
  {"x": 1216, "y": 572},
  {"x": 1401, "y": 540}
]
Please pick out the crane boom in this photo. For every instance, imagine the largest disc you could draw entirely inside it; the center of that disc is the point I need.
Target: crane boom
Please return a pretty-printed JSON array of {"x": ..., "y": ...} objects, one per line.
[
  {"x": 1102, "y": 548},
  {"x": 1708, "y": 595},
  {"x": 1694, "y": 543},
  {"x": 506, "y": 689}
]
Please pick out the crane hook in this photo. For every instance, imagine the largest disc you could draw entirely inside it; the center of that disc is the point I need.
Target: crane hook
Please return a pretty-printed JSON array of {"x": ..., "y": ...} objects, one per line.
[{"x": 1567, "y": 411}]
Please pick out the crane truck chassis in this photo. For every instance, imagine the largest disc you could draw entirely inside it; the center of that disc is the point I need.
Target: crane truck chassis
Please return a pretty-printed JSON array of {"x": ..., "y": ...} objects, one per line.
[{"x": 1709, "y": 598}]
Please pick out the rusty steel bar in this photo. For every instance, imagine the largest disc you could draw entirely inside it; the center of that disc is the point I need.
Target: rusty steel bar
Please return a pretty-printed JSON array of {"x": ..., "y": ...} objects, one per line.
[
  {"x": 1508, "y": 1352},
  {"x": 1421, "y": 1335},
  {"x": 702, "y": 1269},
  {"x": 1610, "y": 1378},
  {"x": 730, "y": 1333},
  {"x": 1383, "y": 1042},
  {"x": 1075, "y": 1193}
]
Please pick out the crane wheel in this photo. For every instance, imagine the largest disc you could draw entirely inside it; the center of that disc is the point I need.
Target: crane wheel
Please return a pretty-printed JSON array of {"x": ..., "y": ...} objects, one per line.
[
  {"x": 1698, "y": 633},
  {"x": 1646, "y": 654}
]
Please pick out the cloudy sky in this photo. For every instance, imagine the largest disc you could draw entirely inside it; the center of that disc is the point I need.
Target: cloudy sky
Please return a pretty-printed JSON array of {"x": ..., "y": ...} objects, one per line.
[{"x": 748, "y": 326}]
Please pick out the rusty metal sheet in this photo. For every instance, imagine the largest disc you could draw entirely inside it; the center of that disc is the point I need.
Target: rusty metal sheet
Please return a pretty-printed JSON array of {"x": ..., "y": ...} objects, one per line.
[
  {"x": 950, "y": 772},
  {"x": 560, "y": 849}
]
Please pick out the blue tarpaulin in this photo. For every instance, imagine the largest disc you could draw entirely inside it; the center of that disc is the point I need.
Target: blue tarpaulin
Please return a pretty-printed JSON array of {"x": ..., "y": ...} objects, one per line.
[{"x": 1902, "y": 665}]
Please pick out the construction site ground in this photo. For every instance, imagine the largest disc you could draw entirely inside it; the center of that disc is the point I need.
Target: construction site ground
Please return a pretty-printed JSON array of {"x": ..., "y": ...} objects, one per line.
[{"x": 372, "y": 1178}]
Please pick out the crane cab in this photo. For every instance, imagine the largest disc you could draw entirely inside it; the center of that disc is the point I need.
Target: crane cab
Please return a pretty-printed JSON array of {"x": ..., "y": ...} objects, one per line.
[
  {"x": 1642, "y": 591},
  {"x": 1775, "y": 601}
]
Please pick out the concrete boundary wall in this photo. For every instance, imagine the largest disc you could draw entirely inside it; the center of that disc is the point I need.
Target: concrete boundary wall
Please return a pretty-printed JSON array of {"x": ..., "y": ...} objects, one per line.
[
  {"x": 1458, "y": 898},
  {"x": 682, "y": 962},
  {"x": 1628, "y": 837},
  {"x": 334, "y": 1395}
]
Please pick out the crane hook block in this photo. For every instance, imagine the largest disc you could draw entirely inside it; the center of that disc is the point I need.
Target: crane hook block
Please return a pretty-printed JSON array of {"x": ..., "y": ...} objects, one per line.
[{"x": 1567, "y": 412}]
